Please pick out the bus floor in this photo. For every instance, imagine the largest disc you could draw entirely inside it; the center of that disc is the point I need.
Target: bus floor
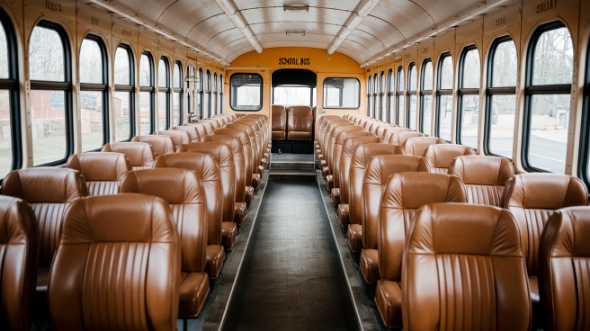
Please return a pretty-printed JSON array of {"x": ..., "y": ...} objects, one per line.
[{"x": 291, "y": 277}]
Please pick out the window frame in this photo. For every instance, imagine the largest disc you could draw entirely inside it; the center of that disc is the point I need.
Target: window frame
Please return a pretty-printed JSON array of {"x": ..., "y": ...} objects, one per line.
[
  {"x": 410, "y": 93},
  {"x": 208, "y": 92},
  {"x": 341, "y": 77},
  {"x": 128, "y": 88},
  {"x": 584, "y": 164},
  {"x": 369, "y": 87},
  {"x": 167, "y": 90},
  {"x": 178, "y": 90},
  {"x": 200, "y": 91},
  {"x": 442, "y": 92},
  {"x": 150, "y": 88},
  {"x": 424, "y": 93},
  {"x": 375, "y": 91},
  {"x": 463, "y": 91},
  {"x": 221, "y": 87},
  {"x": 261, "y": 95},
  {"x": 66, "y": 86},
  {"x": 399, "y": 97},
  {"x": 390, "y": 95}
]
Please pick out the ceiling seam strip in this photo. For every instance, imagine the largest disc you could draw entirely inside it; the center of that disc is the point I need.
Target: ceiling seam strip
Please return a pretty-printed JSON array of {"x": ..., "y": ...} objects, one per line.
[
  {"x": 236, "y": 17},
  {"x": 355, "y": 18}
]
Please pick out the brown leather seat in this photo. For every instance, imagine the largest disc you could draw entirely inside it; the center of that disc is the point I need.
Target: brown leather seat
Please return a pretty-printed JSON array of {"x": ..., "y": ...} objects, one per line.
[
  {"x": 379, "y": 169},
  {"x": 564, "y": 273},
  {"x": 191, "y": 130},
  {"x": 532, "y": 198},
  {"x": 484, "y": 177},
  {"x": 18, "y": 267},
  {"x": 183, "y": 191},
  {"x": 391, "y": 134},
  {"x": 333, "y": 180},
  {"x": 161, "y": 144},
  {"x": 464, "y": 269},
  {"x": 404, "y": 194},
  {"x": 242, "y": 136},
  {"x": 208, "y": 171},
  {"x": 201, "y": 129},
  {"x": 139, "y": 154},
  {"x": 225, "y": 160},
  {"x": 279, "y": 122},
  {"x": 440, "y": 156},
  {"x": 240, "y": 206},
  {"x": 50, "y": 192},
  {"x": 299, "y": 123},
  {"x": 252, "y": 149},
  {"x": 399, "y": 138},
  {"x": 123, "y": 279},
  {"x": 178, "y": 137},
  {"x": 418, "y": 145},
  {"x": 101, "y": 170}
]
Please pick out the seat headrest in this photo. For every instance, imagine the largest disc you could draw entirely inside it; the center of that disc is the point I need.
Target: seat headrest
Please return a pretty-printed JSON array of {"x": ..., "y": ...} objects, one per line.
[
  {"x": 412, "y": 190},
  {"x": 100, "y": 166},
  {"x": 346, "y": 132},
  {"x": 351, "y": 143},
  {"x": 220, "y": 151},
  {"x": 138, "y": 153},
  {"x": 175, "y": 185},
  {"x": 442, "y": 155},
  {"x": 566, "y": 233},
  {"x": 17, "y": 222},
  {"x": 363, "y": 153},
  {"x": 419, "y": 145},
  {"x": 45, "y": 185},
  {"x": 232, "y": 142},
  {"x": 204, "y": 164},
  {"x": 300, "y": 110},
  {"x": 178, "y": 137},
  {"x": 136, "y": 217},
  {"x": 242, "y": 135},
  {"x": 459, "y": 228},
  {"x": 544, "y": 191},
  {"x": 482, "y": 169},
  {"x": 381, "y": 167},
  {"x": 161, "y": 144},
  {"x": 191, "y": 129}
]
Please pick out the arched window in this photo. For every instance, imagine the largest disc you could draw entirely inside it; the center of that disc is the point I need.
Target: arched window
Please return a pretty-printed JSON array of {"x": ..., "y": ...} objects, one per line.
[
  {"x": 10, "y": 132},
  {"x": 399, "y": 98},
  {"x": 412, "y": 102},
  {"x": 177, "y": 94},
  {"x": 123, "y": 104},
  {"x": 390, "y": 93},
  {"x": 426, "y": 82},
  {"x": 469, "y": 82},
  {"x": 200, "y": 95},
  {"x": 146, "y": 94},
  {"x": 50, "y": 72},
  {"x": 550, "y": 63},
  {"x": 163, "y": 94},
  {"x": 215, "y": 105},
  {"x": 381, "y": 111},
  {"x": 501, "y": 97},
  {"x": 375, "y": 91},
  {"x": 369, "y": 88},
  {"x": 221, "y": 87},
  {"x": 190, "y": 91},
  {"x": 444, "y": 97},
  {"x": 208, "y": 91},
  {"x": 585, "y": 136}
]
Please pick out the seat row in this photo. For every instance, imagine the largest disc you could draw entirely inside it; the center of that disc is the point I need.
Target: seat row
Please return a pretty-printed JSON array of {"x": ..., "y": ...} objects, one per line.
[
  {"x": 378, "y": 186},
  {"x": 292, "y": 123},
  {"x": 202, "y": 190}
]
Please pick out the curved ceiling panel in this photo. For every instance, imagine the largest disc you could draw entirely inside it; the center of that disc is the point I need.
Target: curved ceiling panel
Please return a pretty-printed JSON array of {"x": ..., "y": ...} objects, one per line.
[{"x": 362, "y": 29}]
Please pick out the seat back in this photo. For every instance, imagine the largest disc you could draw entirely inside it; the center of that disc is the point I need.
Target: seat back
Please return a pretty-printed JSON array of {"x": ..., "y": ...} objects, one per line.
[
  {"x": 200, "y": 127},
  {"x": 464, "y": 269},
  {"x": 418, "y": 145},
  {"x": 564, "y": 259},
  {"x": 300, "y": 123},
  {"x": 161, "y": 144},
  {"x": 379, "y": 169},
  {"x": 237, "y": 151},
  {"x": 279, "y": 122},
  {"x": 139, "y": 154},
  {"x": 101, "y": 170},
  {"x": 347, "y": 132},
  {"x": 251, "y": 147},
  {"x": 532, "y": 198},
  {"x": 440, "y": 156},
  {"x": 242, "y": 136},
  {"x": 50, "y": 192},
  {"x": 191, "y": 130},
  {"x": 18, "y": 263},
  {"x": 400, "y": 137},
  {"x": 207, "y": 170},
  {"x": 390, "y": 135},
  {"x": 183, "y": 191},
  {"x": 222, "y": 154},
  {"x": 178, "y": 137},
  {"x": 135, "y": 269},
  {"x": 484, "y": 177}
]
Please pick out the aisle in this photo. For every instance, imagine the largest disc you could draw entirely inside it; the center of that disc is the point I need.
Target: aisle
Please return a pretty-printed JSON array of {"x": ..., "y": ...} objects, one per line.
[{"x": 291, "y": 278}]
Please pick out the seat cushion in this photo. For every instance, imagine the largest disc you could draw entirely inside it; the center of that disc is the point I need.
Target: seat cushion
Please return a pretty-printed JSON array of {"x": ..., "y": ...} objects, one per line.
[
  {"x": 215, "y": 257},
  {"x": 194, "y": 288},
  {"x": 255, "y": 181},
  {"x": 335, "y": 196},
  {"x": 343, "y": 212},
  {"x": 329, "y": 182},
  {"x": 240, "y": 210},
  {"x": 355, "y": 237},
  {"x": 369, "y": 263},
  {"x": 249, "y": 195},
  {"x": 388, "y": 297},
  {"x": 228, "y": 235}
]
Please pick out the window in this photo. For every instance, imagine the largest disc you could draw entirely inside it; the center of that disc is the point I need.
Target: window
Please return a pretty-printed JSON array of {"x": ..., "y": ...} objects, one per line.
[
  {"x": 146, "y": 94},
  {"x": 123, "y": 105},
  {"x": 585, "y": 141},
  {"x": 501, "y": 98},
  {"x": 341, "y": 92},
  {"x": 177, "y": 95},
  {"x": 245, "y": 92},
  {"x": 10, "y": 142},
  {"x": 51, "y": 94},
  {"x": 200, "y": 95},
  {"x": 399, "y": 97},
  {"x": 93, "y": 93},
  {"x": 163, "y": 94},
  {"x": 190, "y": 91},
  {"x": 221, "y": 87},
  {"x": 550, "y": 62},
  {"x": 369, "y": 88},
  {"x": 214, "y": 90},
  {"x": 290, "y": 95},
  {"x": 390, "y": 107},
  {"x": 426, "y": 80},
  {"x": 469, "y": 81},
  {"x": 444, "y": 97},
  {"x": 381, "y": 110},
  {"x": 411, "y": 102},
  {"x": 208, "y": 91},
  {"x": 375, "y": 91}
]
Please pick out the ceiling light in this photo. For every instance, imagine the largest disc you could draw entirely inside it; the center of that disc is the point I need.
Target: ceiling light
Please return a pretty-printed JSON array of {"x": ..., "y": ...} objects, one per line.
[
  {"x": 295, "y": 33},
  {"x": 296, "y": 7}
]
